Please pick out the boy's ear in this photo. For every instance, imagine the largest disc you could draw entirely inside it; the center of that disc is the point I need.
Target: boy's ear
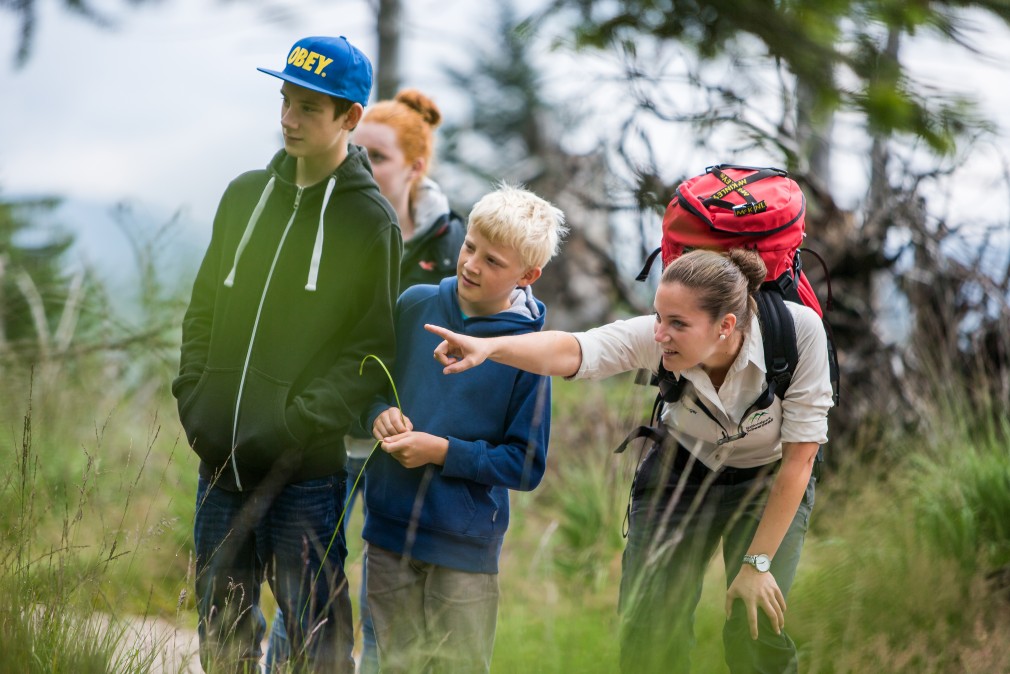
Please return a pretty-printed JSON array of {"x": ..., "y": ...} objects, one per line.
[
  {"x": 353, "y": 116},
  {"x": 531, "y": 275}
]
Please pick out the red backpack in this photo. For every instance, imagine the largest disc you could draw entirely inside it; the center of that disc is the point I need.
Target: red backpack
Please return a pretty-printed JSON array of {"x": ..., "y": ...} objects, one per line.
[
  {"x": 761, "y": 209},
  {"x": 742, "y": 207}
]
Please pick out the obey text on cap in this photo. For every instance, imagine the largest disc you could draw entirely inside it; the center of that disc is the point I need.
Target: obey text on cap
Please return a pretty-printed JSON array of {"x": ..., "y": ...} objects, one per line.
[{"x": 307, "y": 60}]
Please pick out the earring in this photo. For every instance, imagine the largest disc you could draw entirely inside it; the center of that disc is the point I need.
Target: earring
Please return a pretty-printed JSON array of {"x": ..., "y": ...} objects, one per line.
[{"x": 722, "y": 336}]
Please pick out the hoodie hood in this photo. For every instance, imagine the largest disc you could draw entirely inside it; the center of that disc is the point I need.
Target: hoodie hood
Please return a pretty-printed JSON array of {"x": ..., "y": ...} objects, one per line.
[
  {"x": 524, "y": 304},
  {"x": 525, "y": 315},
  {"x": 354, "y": 173},
  {"x": 430, "y": 255},
  {"x": 430, "y": 206}
]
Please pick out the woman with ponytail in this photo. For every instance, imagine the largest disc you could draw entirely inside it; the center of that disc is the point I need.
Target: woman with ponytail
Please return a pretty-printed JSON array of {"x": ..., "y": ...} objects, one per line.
[
  {"x": 726, "y": 469},
  {"x": 399, "y": 138}
]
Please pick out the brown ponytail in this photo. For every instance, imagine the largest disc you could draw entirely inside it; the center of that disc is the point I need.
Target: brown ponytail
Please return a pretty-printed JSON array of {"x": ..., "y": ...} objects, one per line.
[{"x": 724, "y": 283}]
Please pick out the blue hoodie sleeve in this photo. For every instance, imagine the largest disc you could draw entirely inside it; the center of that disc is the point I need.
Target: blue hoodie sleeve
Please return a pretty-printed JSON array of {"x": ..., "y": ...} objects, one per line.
[{"x": 519, "y": 463}]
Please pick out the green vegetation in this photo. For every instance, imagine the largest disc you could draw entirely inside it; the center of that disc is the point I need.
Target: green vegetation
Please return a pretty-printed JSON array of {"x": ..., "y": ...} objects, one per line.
[
  {"x": 905, "y": 570},
  {"x": 910, "y": 569},
  {"x": 35, "y": 299},
  {"x": 93, "y": 524}
]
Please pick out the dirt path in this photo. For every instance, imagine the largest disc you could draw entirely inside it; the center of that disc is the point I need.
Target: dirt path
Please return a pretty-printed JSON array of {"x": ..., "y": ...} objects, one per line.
[{"x": 175, "y": 649}]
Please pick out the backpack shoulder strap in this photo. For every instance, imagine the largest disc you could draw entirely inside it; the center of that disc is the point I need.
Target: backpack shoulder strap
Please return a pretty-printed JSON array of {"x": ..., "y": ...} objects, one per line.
[
  {"x": 656, "y": 434},
  {"x": 778, "y": 334},
  {"x": 647, "y": 267}
]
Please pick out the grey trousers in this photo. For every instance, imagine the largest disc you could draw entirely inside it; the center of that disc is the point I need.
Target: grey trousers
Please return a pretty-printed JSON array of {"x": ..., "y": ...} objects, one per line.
[
  {"x": 673, "y": 534},
  {"x": 430, "y": 618}
]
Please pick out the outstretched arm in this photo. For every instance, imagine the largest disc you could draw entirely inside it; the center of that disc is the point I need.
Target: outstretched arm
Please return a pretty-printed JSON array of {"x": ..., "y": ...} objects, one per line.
[{"x": 552, "y": 353}]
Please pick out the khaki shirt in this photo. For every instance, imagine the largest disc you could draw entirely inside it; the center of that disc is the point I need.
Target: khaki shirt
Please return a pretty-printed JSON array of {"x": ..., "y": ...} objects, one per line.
[{"x": 801, "y": 417}]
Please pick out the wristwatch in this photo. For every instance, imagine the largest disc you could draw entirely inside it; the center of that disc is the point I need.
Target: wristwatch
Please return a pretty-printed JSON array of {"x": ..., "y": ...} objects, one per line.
[{"x": 759, "y": 562}]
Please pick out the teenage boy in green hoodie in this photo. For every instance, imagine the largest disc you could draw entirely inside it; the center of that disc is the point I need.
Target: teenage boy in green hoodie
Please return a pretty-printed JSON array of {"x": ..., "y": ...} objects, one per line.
[{"x": 297, "y": 286}]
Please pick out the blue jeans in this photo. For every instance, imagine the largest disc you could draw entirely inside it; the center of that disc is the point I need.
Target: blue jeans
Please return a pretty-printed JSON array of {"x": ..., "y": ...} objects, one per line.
[
  {"x": 676, "y": 523},
  {"x": 278, "y": 648},
  {"x": 290, "y": 540}
]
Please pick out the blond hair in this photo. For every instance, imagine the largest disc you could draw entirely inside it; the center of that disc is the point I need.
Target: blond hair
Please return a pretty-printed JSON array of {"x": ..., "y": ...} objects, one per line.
[{"x": 515, "y": 217}]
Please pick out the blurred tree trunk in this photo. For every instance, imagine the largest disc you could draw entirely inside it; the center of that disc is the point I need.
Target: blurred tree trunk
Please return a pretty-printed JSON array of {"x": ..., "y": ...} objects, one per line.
[
  {"x": 813, "y": 46},
  {"x": 813, "y": 134},
  {"x": 389, "y": 21},
  {"x": 874, "y": 229},
  {"x": 515, "y": 135},
  {"x": 583, "y": 286}
]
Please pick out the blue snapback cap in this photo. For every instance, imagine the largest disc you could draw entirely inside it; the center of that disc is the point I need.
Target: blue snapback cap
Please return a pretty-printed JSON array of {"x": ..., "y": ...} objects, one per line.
[{"x": 329, "y": 65}]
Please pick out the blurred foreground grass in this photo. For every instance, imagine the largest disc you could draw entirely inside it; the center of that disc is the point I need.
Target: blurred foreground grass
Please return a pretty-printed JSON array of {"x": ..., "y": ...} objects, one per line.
[{"x": 906, "y": 569}]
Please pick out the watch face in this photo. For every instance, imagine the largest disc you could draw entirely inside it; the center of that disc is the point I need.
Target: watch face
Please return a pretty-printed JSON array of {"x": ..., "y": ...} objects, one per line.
[{"x": 762, "y": 563}]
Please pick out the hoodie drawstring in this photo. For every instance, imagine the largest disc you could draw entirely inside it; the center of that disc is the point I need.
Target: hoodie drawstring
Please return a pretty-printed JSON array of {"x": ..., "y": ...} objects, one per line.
[
  {"x": 250, "y": 226},
  {"x": 317, "y": 249}
]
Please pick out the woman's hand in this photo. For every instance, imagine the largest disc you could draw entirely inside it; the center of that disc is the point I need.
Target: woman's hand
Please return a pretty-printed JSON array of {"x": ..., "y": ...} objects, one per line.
[
  {"x": 552, "y": 353},
  {"x": 757, "y": 589},
  {"x": 391, "y": 422},
  {"x": 458, "y": 352}
]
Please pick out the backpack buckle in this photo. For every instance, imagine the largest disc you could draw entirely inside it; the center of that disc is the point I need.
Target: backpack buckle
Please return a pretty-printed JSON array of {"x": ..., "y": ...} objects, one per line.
[{"x": 785, "y": 283}]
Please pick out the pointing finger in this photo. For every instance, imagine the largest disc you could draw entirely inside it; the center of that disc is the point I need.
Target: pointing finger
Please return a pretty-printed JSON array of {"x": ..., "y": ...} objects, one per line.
[{"x": 438, "y": 330}]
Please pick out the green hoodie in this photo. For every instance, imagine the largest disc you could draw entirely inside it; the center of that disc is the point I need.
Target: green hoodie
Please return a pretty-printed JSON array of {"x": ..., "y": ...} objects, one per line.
[{"x": 297, "y": 286}]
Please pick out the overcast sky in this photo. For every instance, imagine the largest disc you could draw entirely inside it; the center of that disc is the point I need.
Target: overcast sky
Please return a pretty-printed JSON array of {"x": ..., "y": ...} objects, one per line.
[
  {"x": 165, "y": 109},
  {"x": 169, "y": 107}
]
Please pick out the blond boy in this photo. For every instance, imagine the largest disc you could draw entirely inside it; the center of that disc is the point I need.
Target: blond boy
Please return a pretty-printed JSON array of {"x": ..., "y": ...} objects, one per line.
[{"x": 437, "y": 494}]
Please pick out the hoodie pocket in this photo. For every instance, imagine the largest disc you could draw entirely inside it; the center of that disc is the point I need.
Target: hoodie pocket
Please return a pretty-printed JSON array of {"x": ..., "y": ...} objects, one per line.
[
  {"x": 187, "y": 388},
  {"x": 207, "y": 414},
  {"x": 263, "y": 433},
  {"x": 406, "y": 495},
  {"x": 449, "y": 506}
]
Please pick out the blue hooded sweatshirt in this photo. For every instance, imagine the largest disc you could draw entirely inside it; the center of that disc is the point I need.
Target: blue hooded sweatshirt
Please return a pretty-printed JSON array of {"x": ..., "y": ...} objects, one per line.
[{"x": 497, "y": 421}]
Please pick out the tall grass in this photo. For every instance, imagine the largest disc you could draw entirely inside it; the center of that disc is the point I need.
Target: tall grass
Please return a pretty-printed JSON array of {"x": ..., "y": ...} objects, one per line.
[
  {"x": 904, "y": 570},
  {"x": 90, "y": 543},
  {"x": 897, "y": 576}
]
